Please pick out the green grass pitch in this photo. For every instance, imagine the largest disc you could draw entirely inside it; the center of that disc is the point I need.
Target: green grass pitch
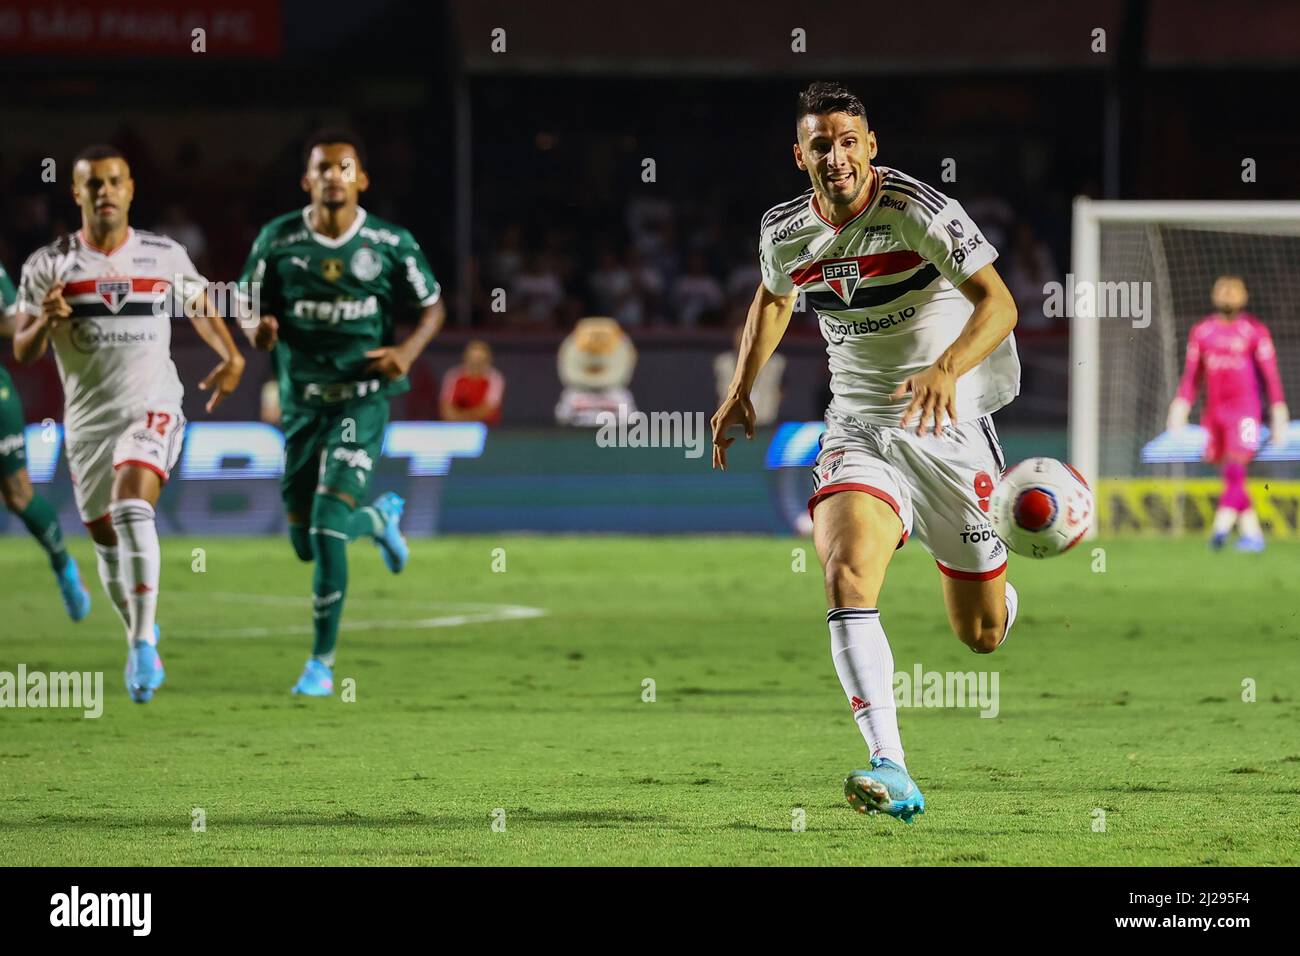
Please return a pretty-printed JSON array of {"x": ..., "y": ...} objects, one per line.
[{"x": 1119, "y": 691}]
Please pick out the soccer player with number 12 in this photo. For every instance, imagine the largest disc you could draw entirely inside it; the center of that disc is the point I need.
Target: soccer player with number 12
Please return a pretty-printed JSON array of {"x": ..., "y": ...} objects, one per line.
[{"x": 104, "y": 298}]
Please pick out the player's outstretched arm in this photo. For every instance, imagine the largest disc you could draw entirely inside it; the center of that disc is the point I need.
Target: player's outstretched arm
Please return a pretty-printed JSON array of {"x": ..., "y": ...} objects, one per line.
[
  {"x": 223, "y": 379},
  {"x": 394, "y": 361},
  {"x": 934, "y": 390},
  {"x": 32, "y": 334},
  {"x": 769, "y": 317}
]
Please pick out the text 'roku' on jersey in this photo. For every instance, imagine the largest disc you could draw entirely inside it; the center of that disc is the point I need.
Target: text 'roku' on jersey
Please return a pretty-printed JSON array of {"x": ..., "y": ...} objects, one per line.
[
  {"x": 114, "y": 352},
  {"x": 884, "y": 288},
  {"x": 335, "y": 299}
]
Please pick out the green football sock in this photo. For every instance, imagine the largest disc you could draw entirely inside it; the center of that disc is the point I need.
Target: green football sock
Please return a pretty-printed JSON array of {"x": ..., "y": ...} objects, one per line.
[
  {"x": 43, "y": 523},
  {"x": 300, "y": 538},
  {"x": 330, "y": 518},
  {"x": 365, "y": 522}
]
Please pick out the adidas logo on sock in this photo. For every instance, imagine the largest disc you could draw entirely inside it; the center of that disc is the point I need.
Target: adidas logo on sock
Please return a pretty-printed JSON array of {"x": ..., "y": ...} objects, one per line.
[{"x": 857, "y": 703}]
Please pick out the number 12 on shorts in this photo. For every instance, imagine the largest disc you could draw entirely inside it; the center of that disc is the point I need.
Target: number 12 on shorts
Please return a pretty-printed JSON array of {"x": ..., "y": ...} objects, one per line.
[{"x": 158, "y": 421}]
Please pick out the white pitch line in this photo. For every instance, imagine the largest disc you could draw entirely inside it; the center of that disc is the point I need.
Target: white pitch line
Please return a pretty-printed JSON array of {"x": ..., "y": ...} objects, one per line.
[
  {"x": 494, "y": 612},
  {"x": 304, "y": 600}
]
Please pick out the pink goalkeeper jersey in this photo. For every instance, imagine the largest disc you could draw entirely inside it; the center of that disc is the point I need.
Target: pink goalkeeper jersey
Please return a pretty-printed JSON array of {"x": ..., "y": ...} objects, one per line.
[{"x": 1227, "y": 355}]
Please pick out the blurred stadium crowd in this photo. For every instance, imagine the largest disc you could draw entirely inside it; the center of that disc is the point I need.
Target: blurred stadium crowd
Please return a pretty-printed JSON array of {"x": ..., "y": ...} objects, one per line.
[
  {"x": 577, "y": 172},
  {"x": 658, "y": 261}
]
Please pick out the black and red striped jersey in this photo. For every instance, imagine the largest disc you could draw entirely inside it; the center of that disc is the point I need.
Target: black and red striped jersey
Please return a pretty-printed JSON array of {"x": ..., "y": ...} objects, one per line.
[
  {"x": 114, "y": 353},
  {"x": 884, "y": 288}
]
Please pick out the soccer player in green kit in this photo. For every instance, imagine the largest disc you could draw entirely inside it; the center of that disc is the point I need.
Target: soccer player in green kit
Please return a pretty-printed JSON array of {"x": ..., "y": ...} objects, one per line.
[
  {"x": 332, "y": 281},
  {"x": 31, "y": 509}
]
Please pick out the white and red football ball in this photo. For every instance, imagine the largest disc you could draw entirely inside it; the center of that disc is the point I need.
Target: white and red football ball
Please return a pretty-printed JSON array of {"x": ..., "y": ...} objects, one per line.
[{"x": 1041, "y": 508}]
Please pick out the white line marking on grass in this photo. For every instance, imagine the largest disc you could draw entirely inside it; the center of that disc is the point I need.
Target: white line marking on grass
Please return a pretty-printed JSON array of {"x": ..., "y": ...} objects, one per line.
[
  {"x": 304, "y": 601},
  {"x": 469, "y": 614}
]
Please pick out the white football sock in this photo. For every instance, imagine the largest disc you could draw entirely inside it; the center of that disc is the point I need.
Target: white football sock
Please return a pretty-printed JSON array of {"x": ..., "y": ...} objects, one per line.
[
  {"x": 865, "y": 666},
  {"x": 1013, "y": 604},
  {"x": 110, "y": 575},
  {"x": 140, "y": 558},
  {"x": 1224, "y": 519},
  {"x": 1249, "y": 525}
]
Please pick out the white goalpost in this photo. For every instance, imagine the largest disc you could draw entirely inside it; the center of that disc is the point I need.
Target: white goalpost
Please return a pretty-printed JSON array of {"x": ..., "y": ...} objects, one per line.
[{"x": 1141, "y": 277}]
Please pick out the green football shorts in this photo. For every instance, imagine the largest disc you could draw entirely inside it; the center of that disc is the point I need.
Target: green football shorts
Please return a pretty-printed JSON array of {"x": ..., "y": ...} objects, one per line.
[{"x": 335, "y": 446}]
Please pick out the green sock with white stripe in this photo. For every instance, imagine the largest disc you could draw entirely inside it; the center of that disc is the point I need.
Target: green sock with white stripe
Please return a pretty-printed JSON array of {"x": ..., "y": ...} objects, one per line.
[{"x": 330, "y": 532}]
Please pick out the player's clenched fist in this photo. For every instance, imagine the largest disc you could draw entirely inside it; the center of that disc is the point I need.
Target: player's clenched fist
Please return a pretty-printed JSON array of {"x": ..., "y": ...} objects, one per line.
[
  {"x": 54, "y": 307},
  {"x": 737, "y": 410},
  {"x": 267, "y": 334},
  {"x": 390, "y": 362},
  {"x": 934, "y": 394}
]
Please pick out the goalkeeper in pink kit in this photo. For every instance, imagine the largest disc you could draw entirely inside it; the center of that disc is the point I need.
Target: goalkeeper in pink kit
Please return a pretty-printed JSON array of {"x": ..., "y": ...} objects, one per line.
[{"x": 1226, "y": 349}]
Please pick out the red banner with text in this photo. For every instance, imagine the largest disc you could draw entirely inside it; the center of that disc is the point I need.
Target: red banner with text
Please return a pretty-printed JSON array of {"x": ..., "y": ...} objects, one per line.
[{"x": 163, "y": 28}]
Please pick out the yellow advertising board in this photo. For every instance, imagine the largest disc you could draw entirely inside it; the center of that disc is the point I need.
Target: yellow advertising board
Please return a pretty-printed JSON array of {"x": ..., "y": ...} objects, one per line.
[{"x": 1159, "y": 506}]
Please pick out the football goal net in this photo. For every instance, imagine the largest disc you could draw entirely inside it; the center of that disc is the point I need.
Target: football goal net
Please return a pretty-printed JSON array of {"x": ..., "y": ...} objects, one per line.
[{"x": 1141, "y": 278}]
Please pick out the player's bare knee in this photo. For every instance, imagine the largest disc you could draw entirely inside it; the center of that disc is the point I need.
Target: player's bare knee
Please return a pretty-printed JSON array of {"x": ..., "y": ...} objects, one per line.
[
  {"x": 101, "y": 532},
  {"x": 847, "y": 581}
]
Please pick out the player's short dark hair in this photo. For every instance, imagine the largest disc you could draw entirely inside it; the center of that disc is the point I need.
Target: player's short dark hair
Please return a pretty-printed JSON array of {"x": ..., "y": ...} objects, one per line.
[
  {"x": 821, "y": 97},
  {"x": 98, "y": 151},
  {"x": 334, "y": 134}
]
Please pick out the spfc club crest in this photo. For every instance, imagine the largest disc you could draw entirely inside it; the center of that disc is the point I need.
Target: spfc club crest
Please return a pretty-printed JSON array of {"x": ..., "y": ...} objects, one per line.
[
  {"x": 114, "y": 290},
  {"x": 332, "y": 269},
  {"x": 842, "y": 278},
  {"x": 831, "y": 465}
]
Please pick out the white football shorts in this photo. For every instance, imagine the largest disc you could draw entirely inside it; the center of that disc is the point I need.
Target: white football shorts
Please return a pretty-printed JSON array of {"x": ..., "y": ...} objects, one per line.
[
  {"x": 151, "y": 441},
  {"x": 938, "y": 485}
]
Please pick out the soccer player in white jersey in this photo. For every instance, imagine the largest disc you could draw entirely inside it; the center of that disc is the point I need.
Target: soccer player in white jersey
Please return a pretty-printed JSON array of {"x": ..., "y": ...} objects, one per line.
[
  {"x": 918, "y": 328},
  {"x": 104, "y": 297}
]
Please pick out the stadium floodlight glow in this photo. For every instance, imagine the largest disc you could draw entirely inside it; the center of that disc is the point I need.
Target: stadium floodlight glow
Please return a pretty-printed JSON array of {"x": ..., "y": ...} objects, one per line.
[
  {"x": 232, "y": 450},
  {"x": 430, "y": 446},
  {"x": 795, "y": 445},
  {"x": 1188, "y": 445},
  {"x": 220, "y": 451},
  {"x": 1122, "y": 376},
  {"x": 42, "y": 453}
]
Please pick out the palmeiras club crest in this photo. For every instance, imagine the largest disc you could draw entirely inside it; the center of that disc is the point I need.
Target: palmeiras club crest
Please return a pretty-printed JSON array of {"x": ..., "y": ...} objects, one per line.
[
  {"x": 114, "y": 290},
  {"x": 366, "y": 264},
  {"x": 842, "y": 278}
]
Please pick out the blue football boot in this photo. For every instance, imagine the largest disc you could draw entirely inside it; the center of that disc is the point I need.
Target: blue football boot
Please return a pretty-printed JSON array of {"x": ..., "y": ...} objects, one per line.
[
  {"x": 1218, "y": 540},
  {"x": 317, "y": 680},
  {"x": 885, "y": 788},
  {"x": 144, "y": 672},
  {"x": 76, "y": 599},
  {"x": 1250, "y": 545},
  {"x": 391, "y": 544}
]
